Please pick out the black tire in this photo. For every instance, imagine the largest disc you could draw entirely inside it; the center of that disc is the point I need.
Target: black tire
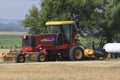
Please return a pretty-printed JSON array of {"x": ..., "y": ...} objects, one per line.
[
  {"x": 19, "y": 58},
  {"x": 76, "y": 53},
  {"x": 105, "y": 54},
  {"x": 40, "y": 57}
]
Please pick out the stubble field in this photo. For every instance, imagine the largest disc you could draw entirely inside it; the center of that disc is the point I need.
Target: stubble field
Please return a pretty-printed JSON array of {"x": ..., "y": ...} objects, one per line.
[{"x": 80, "y": 70}]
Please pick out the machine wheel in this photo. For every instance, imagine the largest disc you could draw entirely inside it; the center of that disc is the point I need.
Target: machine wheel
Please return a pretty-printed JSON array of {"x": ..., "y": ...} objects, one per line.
[
  {"x": 105, "y": 54},
  {"x": 76, "y": 53},
  {"x": 40, "y": 57},
  {"x": 19, "y": 58}
]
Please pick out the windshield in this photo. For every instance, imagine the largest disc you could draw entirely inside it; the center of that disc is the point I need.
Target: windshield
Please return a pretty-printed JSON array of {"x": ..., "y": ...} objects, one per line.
[{"x": 53, "y": 29}]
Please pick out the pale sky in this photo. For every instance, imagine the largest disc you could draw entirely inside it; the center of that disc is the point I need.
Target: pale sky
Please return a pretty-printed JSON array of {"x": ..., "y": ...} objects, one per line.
[{"x": 16, "y": 9}]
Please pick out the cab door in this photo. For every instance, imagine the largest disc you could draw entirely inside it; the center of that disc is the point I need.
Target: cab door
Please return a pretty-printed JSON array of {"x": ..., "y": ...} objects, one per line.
[{"x": 67, "y": 31}]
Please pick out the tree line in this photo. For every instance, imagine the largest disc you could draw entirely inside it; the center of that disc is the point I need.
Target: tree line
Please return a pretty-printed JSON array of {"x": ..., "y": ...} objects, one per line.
[{"x": 99, "y": 18}]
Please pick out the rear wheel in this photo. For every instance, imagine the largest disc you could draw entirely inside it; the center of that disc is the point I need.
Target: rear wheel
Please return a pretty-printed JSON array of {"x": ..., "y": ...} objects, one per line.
[
  {"x": 76, "y": 53},
  {"x": 19, "y": 58},
  {"x": 40, "y": 57}
]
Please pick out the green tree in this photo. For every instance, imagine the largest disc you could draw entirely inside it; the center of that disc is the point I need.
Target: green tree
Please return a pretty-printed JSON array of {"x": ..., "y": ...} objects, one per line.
[
  {"x": 112, "y": 23},
  {"x": 52, "y": 10},
  {"x": 32, "y": 21},
  {"x": 88, "y": 14}
]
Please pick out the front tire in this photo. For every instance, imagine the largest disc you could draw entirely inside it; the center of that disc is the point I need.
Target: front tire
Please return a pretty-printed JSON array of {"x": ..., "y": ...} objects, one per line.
[
  {"x": 40, "y": 57},
  {"x": 19, "y": 58},
  {"x": 76, "y": 53}
]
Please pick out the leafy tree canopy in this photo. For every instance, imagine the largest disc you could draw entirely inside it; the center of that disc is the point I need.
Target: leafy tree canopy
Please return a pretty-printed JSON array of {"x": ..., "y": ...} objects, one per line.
[{"x": 84, "y": 11}]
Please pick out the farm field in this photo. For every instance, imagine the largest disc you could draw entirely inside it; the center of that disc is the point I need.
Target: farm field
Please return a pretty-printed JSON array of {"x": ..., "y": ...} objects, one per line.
[
  {"x": 10, "y": 39},
  {"x": 79, "y": 70}
]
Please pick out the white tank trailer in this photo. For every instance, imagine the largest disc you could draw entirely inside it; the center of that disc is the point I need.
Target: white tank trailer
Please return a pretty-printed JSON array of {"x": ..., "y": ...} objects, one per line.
[{"x": 113, "y": 48}]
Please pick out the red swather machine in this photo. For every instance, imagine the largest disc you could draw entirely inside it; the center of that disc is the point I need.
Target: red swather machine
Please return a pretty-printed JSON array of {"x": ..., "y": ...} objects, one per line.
[{"x": 58, "y": 43}]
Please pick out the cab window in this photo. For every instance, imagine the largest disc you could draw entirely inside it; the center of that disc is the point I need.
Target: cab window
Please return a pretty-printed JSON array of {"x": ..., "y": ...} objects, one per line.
[{"x": 53, "y": 29}]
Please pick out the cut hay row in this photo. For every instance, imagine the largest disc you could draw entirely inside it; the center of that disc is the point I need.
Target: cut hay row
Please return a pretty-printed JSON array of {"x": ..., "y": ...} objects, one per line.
[{"x": 8, "y": 54}]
